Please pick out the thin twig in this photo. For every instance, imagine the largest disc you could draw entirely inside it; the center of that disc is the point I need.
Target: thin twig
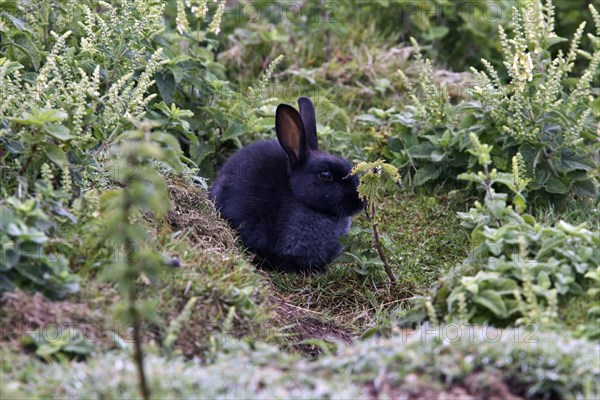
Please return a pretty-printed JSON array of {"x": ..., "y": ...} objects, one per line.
[
  {"x": 379, "y": 247},
  {"x": 137, "y": 347}
]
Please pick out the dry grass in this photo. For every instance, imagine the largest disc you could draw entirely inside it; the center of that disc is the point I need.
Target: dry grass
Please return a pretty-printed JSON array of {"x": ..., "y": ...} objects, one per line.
[
  {"x": 23, "y": 313},
  {"x": 193, "y": 215}
]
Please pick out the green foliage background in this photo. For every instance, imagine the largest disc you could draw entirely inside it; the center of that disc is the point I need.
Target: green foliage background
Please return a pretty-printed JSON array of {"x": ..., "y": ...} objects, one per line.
[{"x": 105, "y": 104}]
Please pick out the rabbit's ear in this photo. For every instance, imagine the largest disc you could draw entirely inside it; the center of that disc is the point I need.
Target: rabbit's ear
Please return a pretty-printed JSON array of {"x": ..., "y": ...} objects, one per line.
[
  {"x": 307, "y": 113},
  {"x": 290, "y": 132}
]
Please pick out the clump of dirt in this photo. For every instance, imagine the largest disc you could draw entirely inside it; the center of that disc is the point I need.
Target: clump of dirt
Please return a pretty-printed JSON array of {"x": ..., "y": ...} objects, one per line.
[
  {"x": 23, "y": 313},
  {"x": 490, "y": 387},
  {"x": 193, "y": 213}
]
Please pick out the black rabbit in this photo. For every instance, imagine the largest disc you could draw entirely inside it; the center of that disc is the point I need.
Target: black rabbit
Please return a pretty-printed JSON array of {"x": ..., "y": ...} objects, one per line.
[{"x": 289, "y": 201}]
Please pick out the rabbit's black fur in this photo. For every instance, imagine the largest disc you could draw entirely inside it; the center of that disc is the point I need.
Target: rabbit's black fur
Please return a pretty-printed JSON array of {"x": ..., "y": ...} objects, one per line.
[{"x": 289, "y": 201}]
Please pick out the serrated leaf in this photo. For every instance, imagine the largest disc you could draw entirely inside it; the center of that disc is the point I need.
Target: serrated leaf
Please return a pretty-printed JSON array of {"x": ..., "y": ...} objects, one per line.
[
  {"x": 571, "y": 161},
  {"x": 426, "y": 173},
  {"x": 586, "y": 187}
]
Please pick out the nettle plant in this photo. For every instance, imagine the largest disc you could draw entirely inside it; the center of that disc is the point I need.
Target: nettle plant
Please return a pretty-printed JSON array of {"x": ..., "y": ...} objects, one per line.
[
  {"x": 540, "y": 113},
  {"x": 424, "y": 138},
  {"x": 374, "y": 177},
  {"x": 93, "y": 81},
  {"x": 72, "y": 77},
  {"x": 518, "y": 269},
  {"x": 221, "y": 118},
  {"x": 27, "y": 259},
  {"x": 552, "y": 123}
]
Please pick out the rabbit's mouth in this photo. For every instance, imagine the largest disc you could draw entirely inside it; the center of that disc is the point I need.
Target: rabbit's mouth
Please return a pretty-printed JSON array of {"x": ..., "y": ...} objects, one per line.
[
  {"x": 352, "y": 205},
  {"x": 363, "y": 204}
]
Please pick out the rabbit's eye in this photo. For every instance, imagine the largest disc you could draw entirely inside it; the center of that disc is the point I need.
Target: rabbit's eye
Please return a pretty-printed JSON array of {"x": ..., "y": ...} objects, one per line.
[{"x": 325, "y": 176}]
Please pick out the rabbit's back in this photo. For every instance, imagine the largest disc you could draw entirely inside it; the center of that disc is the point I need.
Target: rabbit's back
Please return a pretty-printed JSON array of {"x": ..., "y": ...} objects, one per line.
[{"x": 250, "y": 190}]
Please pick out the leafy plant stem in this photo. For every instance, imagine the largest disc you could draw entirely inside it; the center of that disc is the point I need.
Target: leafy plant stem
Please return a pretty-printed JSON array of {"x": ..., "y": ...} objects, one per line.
[
  {"x": 488, "y": 182},
  {"x": 138, "y": 355},
  {"x": 28, "y": 161},
  {"x": 549, "y": 162}
]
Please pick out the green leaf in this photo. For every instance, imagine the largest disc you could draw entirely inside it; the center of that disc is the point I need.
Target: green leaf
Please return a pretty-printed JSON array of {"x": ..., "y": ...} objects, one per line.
[
  {"x": 552, "y": 40},
  {"x": 586, "y": 187},
  {"x": 422, "y": 151},
  {"x": 554, "y": 185},
  {"x": 18, "y": 23},
  {"x": 543, "y": 280},
  {"x": 436, "y": 32},
  {"x": 23, "y": 42},
  {"x": 369, "y": 119},
  {"x": 58, "y": 131},
  {"x": 395, "y": 144},
  {"x": 166, "y": 85},
  {"x": 549, "y": 244},
  {"x": 233, "y": 131},
  {"x": 35, "y": 237},
  {"x": 46, "y": 350},
  {"x": 529, "y": 219},
  {"x": 519, "y": 202},
  {"x": 437, "y": 156},
  {"x": 55, "y": 153},
  {"x": 40, "y": 116},
  {"x": 492, "y": 301},
  {"x": 79, "y": 346},
  {"x": 571, "y": 160},
  {"x": 530, "y": 155}
]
